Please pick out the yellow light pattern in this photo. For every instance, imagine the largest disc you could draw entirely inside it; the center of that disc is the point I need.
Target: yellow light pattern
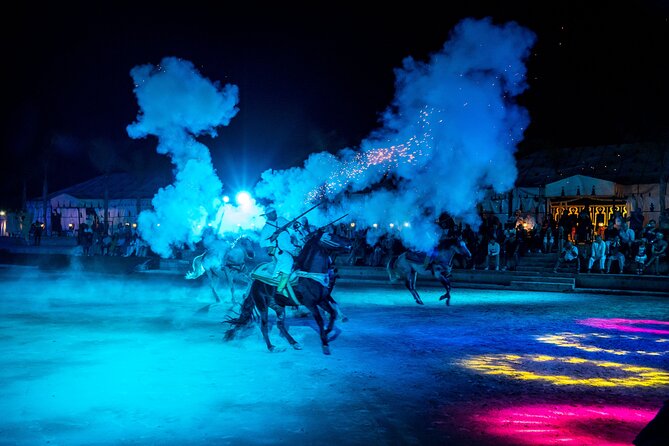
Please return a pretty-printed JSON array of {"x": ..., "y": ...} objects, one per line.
[
  {"x": 510, "y": 365},
  {"x": 575, "y": 340}
]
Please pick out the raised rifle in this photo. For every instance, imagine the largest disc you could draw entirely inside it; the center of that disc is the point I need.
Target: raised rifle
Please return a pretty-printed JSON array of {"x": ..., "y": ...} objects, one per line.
[{"x": 280, "y": 229}]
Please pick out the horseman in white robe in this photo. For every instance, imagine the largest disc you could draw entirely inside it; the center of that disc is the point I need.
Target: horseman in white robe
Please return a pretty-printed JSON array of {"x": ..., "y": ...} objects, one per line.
[{"x": 282, "y": 249}]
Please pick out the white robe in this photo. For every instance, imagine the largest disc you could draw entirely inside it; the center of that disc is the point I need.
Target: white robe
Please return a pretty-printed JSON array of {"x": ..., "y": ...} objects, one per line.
[{"x": 283, "y": 256}]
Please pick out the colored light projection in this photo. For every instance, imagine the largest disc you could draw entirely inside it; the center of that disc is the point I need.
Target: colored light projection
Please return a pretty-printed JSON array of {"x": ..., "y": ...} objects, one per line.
[
  {"x": 629, "y": 325},
  {"x": 549, "y": 424},
  {"x": 584, "y": 341},
  {"x": 555, "y": 370}
]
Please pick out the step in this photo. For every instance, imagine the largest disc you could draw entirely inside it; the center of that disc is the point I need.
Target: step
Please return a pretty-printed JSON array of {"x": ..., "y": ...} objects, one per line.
[
  {"x": 535, "y": 268},
  {"x": 541, "y": 286},
  {"x": 544, "y": 279}
]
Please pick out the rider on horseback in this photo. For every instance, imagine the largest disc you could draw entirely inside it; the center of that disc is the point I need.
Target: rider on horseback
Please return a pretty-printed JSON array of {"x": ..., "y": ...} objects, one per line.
[{"x": 276, "y": 236}]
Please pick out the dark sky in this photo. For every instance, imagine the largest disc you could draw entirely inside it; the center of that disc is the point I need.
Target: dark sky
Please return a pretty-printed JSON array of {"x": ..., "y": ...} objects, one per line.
[{"x": 310, "y": 78}]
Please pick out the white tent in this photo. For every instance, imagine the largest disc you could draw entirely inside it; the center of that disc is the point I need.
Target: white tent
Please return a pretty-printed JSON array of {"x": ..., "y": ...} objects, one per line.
[{"x": 580, "y": 185}]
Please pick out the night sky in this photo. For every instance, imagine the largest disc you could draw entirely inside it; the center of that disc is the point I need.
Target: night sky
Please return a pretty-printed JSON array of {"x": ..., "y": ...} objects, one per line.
[{"x": 311, "y": 79}]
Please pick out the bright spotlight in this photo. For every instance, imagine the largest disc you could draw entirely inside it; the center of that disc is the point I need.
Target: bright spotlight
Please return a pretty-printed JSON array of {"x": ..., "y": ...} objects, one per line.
[
  {"x": 376, "y": 225},
  {"x": 243, "y": 198},
  {"x": 392, "y": 225},
  {"x": 352, "y": 225},
  {"x": 226, "y": 199},
  {"x": 406, "y": 224}
]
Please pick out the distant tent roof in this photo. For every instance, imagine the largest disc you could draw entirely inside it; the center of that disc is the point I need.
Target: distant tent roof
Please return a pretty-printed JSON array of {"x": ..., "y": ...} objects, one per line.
[
  {"x": 622, "y": 164},
  {"x": 580, "y": 185},
  {"x": 121, "y": 186}
]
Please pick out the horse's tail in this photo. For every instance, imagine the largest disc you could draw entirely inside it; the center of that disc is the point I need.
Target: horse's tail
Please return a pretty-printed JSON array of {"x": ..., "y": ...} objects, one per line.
[
  {"x": 198, "y": 268},
  {"x": 246, "y": 317}
]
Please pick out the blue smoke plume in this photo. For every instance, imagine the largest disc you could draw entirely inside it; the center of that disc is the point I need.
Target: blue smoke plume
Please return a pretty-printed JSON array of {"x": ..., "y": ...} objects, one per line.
[
  {"x": 450, "y": 133},
  {"x": 177, "y": 104}
]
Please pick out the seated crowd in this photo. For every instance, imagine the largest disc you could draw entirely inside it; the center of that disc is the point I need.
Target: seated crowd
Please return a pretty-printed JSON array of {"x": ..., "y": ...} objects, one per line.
[{"x": 617, "y": 249}]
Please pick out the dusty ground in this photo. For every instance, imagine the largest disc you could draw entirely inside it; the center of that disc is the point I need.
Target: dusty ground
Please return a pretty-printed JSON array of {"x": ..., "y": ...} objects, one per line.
[{"x": 100, "y": 360}]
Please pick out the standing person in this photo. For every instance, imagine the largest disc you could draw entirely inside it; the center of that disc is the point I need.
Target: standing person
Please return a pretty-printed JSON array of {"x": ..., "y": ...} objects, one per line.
[
  {"x": 493, "y": 254},
  {"x": 37, "y": 233},
  {"x": 636, "y": 222},
  {"x": 658, "y": 250},
  {"x": 584, "y": 226},
  {"x": 511, "y": 252},
  {"x": 569, "y": 255},
  {"x": 280, "y": 247},
  {"x": 597, "y": 253},
  {"x": 640, "y": 255},
  {"x": 549, "y": 240}
]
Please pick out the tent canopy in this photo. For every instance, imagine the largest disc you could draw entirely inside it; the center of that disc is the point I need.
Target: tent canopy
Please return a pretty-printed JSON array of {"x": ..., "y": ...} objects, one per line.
[{"x": 580, "y": 185}]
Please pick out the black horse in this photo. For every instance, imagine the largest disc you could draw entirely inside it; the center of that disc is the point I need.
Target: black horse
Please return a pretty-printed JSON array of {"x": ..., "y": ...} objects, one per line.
[
  {"x": 410, "y": 264},
  {"x": 314, "y": 268}
]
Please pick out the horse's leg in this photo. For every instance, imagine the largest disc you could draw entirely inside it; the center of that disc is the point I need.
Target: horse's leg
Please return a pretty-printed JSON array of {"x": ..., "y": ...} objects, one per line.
[
  {"x": 329, "y": 307},
  {"x": 445, "y": 279},
  {"x": 338, "y": 313},
  {"x": 410, "y": 283},
  {"x": 213, "y": 283},
  {"x": 231, "y": 283},
  {"x": 264, "y": 328},
  {"x": 321, "y": 328},
  {"x": 281, "y": 324}
]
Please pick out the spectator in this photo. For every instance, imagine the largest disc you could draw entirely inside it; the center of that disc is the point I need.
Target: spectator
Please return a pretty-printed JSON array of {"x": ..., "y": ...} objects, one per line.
[
  {"x": 584, "y": 226},
  {"x": 481, "y": 251},
  {"x": 640, "y": 255},
  {"x": 493, "y": 254},
  {"x": 569, "y": 255},
  {"x": 615, "y": 254},
  {"x": 37, "y": 233},
  {"x": 650, "y": 231},
  {"x": 511, "y": 252},
  {"x": 636, "y": 222},
  {"x": 610, "y": 232},
  {"x": 549, "y": 240},
  {"x": 597, "y": 253},
  {"x": 658, "y": 251}
]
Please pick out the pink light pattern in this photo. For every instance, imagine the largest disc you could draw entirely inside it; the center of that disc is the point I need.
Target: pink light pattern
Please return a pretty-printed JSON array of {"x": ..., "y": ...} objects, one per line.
[
  {"x": 549, "y": 424},
  {"x": 626, "y": 325}
]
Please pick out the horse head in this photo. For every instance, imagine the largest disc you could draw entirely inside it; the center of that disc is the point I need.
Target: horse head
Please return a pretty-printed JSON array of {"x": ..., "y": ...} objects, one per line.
[
  {"x": 335, "y": 243},
  {"x": 315, "y": 256},
  {"x": 245, "y": 243}
]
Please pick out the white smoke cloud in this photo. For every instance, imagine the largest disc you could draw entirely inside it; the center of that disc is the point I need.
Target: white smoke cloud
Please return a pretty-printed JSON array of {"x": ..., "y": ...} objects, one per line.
[
  {"x": 177, "y": 104},
  {"x": 450, "y": 133}
]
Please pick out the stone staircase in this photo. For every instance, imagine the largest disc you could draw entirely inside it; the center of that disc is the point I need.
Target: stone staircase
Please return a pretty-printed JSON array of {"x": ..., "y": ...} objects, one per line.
[{"x": 535, "y": 272}]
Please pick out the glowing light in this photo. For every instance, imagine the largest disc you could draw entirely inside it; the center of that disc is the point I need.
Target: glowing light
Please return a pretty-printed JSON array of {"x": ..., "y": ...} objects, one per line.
[
  {"x": 226, "y": 199},
  {"x": 406, "y": 224},
  {"x": 2, "y": 213},
  {"x": 243, "y": 198},
  {"x": 510, "y": 365},
  {"x": 626, "y": 325},
  {"x": 352, "y": 225},
  {"x": 564, "y": 424},
  {"x": 392, "y": 225},
  {"x": 384, "y": 158},
  {"x": 574, "y": 340},
  {"x": 134, "y": 225},
  {"x": 375, "y": 225}
]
